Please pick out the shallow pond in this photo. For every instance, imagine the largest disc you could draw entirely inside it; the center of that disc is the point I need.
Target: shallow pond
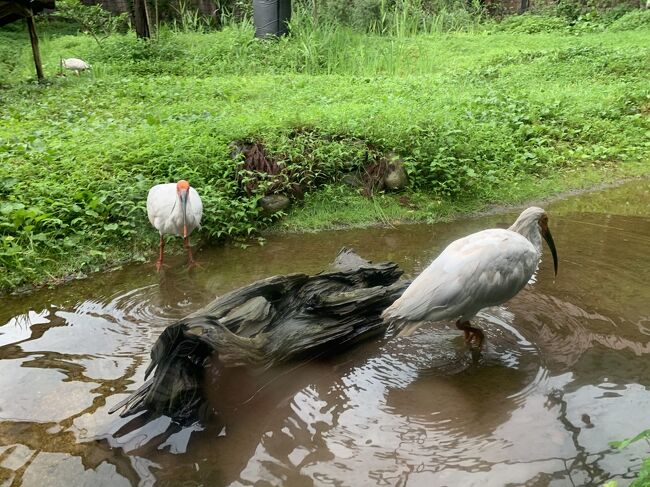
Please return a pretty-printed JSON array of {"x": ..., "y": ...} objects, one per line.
[{"x": 566, "y": 370}]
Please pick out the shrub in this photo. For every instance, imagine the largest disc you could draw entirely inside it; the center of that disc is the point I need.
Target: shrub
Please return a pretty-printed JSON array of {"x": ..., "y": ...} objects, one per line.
[
  {"x": 637, "y": 19},
  {"x": 99, "y": 23},
  {"x": 403, "y": 17},
  {"x": 532, "y": 24}
]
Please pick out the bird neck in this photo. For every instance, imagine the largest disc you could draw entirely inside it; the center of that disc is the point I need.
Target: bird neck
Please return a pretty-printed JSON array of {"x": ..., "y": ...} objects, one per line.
[{"x": 530, "y": 230}]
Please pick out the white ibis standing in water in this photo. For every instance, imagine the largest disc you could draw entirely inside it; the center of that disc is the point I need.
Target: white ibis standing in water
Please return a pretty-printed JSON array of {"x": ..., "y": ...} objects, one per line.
[
  {"x": 174, "y": 209},
  {"x": 483, "y": 269}
]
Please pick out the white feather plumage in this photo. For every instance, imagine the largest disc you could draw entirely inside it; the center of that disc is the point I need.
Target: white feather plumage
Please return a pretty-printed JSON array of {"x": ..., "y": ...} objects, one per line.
[
  {"x": 484, "y": 269},
  {"x": 75, "y": 64},
  {"x": 165, "y": 211}
]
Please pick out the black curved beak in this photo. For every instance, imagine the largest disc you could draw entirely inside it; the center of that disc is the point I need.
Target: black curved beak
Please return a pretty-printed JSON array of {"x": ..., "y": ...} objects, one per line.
[
  {"x": 183, "y": 195},
  {"x": 546, "y": 233}
]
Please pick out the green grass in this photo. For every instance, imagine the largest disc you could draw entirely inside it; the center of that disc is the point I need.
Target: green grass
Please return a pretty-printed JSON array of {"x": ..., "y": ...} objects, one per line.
[
  {"x": 478, "y": 118},
  {"x": 335, "y": 207}
]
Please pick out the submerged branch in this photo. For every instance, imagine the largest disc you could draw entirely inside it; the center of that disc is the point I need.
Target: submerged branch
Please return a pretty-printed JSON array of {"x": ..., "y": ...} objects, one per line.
[{"x": 270, "y": 321}]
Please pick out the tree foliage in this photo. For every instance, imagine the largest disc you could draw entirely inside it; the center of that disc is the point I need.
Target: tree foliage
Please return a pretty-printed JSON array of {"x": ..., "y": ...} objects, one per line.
[{"x": 93, "y": 19}]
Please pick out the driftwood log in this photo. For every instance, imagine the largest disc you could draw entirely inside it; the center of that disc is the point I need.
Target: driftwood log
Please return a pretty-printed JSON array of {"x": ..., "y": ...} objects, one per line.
[{"x": 270, "y": 321}]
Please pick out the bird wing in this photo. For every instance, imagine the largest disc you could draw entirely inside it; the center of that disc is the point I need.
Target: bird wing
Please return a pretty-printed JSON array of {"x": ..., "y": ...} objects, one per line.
[
  {"x": 483, "y": 269},
  {"x": 75, "y": 63},
  {"x": 194, "y": 209},
  {"x": 160, "y": 203},
  {"x": 163, "y": 209}
]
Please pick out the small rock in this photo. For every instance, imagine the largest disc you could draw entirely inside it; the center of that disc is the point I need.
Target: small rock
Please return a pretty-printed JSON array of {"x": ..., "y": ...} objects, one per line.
[
  {"x": 274, "y": 203},
  {"x": 396, "y": 177},
  {"x": 587, "y": 421}
]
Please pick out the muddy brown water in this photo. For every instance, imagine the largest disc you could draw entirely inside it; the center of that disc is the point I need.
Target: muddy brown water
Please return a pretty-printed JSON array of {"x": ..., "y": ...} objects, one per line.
[{"x": 566, "y": 371}]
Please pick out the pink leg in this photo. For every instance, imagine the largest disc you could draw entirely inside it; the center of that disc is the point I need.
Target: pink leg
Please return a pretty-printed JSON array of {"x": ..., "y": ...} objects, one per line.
[
  {"x": 190, "y": 260},
  {"x": 159, "y": 263},
  {"x": 463, "y": 326}
]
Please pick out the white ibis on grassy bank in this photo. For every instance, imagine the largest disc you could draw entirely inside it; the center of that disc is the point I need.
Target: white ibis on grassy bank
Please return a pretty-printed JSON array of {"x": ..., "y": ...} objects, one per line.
[
  {"x": 483, "y": 269},
  {"x": 75, "y": 64},
  {"x": 174, "y": 209}
]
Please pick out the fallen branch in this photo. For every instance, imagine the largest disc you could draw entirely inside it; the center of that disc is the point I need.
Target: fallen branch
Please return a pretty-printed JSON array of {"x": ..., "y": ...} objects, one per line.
[{"x": 274, "y": 320}]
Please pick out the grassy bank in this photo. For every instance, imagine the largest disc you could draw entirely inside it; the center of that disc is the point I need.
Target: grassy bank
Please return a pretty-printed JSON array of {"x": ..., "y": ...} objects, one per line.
[
  {"x": 336, "y": 206},
  {"x": 492, "y": 116}
]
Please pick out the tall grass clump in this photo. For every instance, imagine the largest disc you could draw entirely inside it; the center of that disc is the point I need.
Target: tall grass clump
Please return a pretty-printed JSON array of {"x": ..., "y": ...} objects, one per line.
[
  {"x": 188, "y": 19},
  {"x": 576, "y": 17},
  {"x": 407, "y": 18},
  {"x": 532, "y": 24},
  {"x": 398, "y": 18},
  {"x": 637, "y": 19}
]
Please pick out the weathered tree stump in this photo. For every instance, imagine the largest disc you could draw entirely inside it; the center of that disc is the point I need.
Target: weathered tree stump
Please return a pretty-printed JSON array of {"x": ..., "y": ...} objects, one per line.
[{"x": 271, "y": 321}]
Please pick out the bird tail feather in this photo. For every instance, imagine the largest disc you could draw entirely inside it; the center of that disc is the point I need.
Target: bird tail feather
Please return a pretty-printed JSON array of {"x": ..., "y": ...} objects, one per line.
[
  {"x": 407, "y": 329},
  {"x": 401, "y": 327}
]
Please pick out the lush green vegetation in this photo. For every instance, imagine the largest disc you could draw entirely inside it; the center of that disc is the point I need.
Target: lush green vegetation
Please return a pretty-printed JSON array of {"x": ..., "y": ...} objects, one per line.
[
  {"x": 490, "y": 114},
  {"x": 643, "y": 478}
]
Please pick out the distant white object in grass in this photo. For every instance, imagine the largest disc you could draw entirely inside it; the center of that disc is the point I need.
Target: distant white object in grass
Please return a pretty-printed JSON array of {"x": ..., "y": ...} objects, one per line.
[
  {"x": 75, "y": 64},
  {"x": 174, "y": 209}
]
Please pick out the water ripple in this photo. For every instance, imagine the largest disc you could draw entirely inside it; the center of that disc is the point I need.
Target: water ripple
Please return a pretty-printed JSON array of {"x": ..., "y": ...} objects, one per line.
[{"x": 564, "y": 372}]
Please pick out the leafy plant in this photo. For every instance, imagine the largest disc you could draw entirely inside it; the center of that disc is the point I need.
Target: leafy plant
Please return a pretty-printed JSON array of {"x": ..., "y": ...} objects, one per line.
[
  {"x": 401, "y": 18},
  {"x": 636, "y": 19},
  {"x": 189, "y": 19},
  {"x": 532, "y": 24},
  {"x": 93, "y": 19},
  {"x": 643, "y": 478}
]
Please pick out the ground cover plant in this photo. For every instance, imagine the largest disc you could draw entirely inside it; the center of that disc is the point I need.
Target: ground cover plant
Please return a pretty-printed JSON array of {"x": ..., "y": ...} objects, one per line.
[{"x": 478, "y": 113}]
